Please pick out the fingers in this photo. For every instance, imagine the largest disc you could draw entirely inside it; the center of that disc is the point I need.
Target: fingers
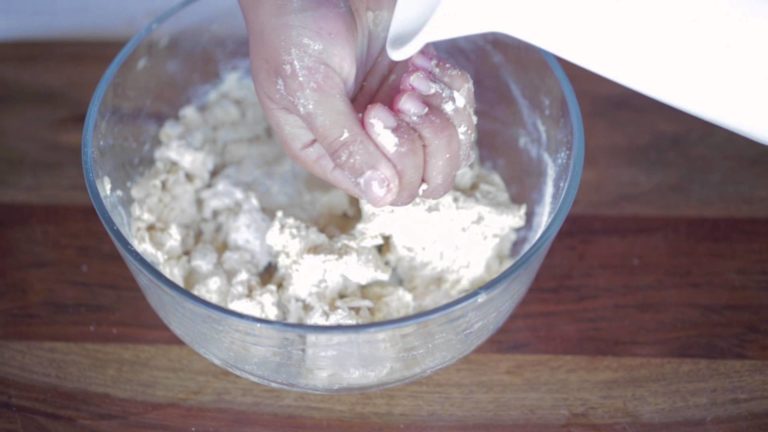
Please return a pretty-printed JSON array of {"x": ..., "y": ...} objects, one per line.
[
  {"x": 355, "y": 157},
  {"x": 302, "y": 146},
  {"x": 384, "y": 155},
  {"x": 388, "y": 88},
  {"x": 437, "y": 101},
  {"x": 402, "y": 145},
  {"x": 451, "y": 89},
  {"x": 443, "y": 89},
  {"x": 304, "y": 75},
  {"x": 322, "y": 131},
  {"x": 441, "y": 142}
]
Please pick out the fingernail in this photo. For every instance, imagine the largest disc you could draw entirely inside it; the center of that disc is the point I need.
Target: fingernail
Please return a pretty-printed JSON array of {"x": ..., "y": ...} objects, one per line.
[
  {"x": 422, "y": 84},
  {"x": 384, "y": 115},
  {"x": 411, "y": 104},
  {"x": 423, "y": 62},
  {"x": 382, "y": 123},
  {"x": 375, "y": 186}
]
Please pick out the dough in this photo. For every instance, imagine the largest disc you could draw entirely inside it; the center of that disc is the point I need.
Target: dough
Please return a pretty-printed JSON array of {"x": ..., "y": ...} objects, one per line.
[{"x": 225, "y": 214}]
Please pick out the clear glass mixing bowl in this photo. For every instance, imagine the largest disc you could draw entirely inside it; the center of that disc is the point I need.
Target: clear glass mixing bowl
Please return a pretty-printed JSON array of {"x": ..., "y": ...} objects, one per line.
[{"x": 529, "y": 129}]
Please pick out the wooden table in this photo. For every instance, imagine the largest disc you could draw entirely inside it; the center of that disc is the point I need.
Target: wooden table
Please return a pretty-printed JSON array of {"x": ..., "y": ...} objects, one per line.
[{"x": 650, "y": 313}]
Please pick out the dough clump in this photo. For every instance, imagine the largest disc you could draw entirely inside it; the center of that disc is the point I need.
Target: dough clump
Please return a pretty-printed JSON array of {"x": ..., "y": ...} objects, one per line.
[{"x": 225, "y": 214}]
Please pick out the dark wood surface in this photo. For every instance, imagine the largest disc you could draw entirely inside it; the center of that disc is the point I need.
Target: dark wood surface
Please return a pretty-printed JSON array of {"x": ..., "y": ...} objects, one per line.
[{"x": 649, "y": 314}]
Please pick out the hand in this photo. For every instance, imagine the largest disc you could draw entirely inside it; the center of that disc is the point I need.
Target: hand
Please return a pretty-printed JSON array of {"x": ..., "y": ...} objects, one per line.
[{"x": 375, "y": 128}]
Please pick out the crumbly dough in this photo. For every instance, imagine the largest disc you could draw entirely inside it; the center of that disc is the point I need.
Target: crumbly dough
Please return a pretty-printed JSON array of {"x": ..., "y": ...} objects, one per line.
[{"x": 225, "y": 214}]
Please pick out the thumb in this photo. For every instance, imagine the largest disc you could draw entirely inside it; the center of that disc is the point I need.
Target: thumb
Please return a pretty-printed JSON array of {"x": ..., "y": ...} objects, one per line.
[{"x": 305, "y": 98}]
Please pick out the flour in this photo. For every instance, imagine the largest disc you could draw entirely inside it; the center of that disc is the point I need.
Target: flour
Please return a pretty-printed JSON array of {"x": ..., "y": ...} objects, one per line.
[
  {"x": 387, "y": 138},
  {"x": 225, "y": 214}
]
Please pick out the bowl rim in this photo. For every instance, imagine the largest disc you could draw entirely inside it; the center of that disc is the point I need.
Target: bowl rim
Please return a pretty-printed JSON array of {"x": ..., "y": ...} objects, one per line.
[{"x": 547, "y": 234}]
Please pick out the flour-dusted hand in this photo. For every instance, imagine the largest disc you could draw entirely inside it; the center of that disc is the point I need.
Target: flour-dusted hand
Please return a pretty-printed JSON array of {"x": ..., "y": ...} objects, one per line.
[{"x": 377, "y": 129}]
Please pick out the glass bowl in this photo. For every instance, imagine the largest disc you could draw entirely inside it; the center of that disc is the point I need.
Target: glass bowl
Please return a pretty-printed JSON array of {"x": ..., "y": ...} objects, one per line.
[{"x": 530, "y": 130}]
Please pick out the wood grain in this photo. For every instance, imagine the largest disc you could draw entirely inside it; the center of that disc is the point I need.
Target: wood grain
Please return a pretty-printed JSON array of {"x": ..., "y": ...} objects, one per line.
[
  {"x": 44, "y": 94},
  {"x": 647, "y": 159},
  {"x": 599, "y": 292},
  {"x": 510, "y": 389},
  {"x": 648, "y": 314}
]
